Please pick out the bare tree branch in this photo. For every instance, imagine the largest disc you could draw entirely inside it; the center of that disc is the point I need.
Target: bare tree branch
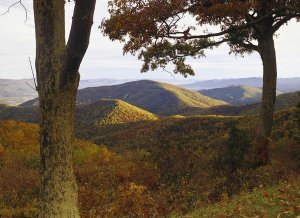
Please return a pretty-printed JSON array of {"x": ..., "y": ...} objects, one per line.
[
  {"x": 34, "y": 80},
  {"x": 180, "y": 34},
  {"x": 22, "y": 5}
]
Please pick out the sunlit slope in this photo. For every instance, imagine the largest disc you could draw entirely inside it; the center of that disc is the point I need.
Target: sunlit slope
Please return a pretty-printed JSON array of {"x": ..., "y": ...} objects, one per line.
[
  {"x": 235, "y": 95},
  {"x": 101, "y": 112},
  {"x": 158, "y": 98},
  {"x": 109, "y": 111}
]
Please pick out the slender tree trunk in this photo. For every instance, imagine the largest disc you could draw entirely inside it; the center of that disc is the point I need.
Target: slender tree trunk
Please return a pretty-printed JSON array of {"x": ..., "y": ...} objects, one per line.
[
  {"x": 57, "y": 66},
  {"x": 268, "y": 57}
]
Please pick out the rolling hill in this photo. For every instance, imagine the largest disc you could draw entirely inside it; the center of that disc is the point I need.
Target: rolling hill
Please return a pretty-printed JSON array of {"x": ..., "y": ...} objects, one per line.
[
  {"x": 108, "y": 115},
  {"x": 158, "y": 98},
  {"x": 283, "y": 101},
  {"x": 235, "y": 95},
  {"x": 109, "y": 111},
  {"x": 98, "y": 113}
]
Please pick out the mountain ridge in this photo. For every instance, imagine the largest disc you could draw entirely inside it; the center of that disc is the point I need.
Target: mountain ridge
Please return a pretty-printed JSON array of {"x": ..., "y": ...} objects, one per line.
[
  {"x": 159, "y": 98},
  {"x": 235, "y": 95},
  {"x": 291, "y": 84}
]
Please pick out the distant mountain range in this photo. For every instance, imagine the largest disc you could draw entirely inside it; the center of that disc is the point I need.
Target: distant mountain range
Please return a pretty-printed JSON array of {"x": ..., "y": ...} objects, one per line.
[
  {"x": 15, "y": 92},
  {"x": 235, "y": 95},
  {"x": 102, "y": 115},
  {"x": 158, "y": 98},
  {"x": 283, "y": 101},
  {"x": 283, "y": 84}
]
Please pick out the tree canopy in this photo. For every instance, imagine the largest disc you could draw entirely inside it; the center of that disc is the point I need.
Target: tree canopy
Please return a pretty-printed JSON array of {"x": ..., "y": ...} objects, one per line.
[{"x": 164, "y": 32}]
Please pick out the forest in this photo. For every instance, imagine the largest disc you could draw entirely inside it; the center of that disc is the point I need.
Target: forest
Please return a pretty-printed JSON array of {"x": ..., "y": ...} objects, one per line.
[{"x": 147, "y": 148}]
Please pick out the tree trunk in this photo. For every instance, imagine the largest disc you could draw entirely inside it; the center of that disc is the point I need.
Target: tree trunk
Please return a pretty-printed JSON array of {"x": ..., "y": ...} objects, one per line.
[
  {"x": 268, "y": 57},
  {"x": 59, "y": 190},
  {"x": 57, "y": 66}
]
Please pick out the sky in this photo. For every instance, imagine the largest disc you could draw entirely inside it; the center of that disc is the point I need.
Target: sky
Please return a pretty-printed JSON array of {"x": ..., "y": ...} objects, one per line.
[{"x": 104, "y": 59}]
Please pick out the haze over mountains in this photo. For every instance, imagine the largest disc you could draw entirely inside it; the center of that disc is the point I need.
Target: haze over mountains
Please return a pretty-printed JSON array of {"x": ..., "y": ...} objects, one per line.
[
  {"x": 156, "y": 97},
  {"x": 149, "y": 100},
  {"x": 283, "y": 84},
  {"x": 14, "y": 92}
]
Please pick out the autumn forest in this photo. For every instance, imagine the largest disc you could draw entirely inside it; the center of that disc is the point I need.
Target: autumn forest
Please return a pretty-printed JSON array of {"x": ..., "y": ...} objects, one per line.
[{"x": 145, "y": 148}]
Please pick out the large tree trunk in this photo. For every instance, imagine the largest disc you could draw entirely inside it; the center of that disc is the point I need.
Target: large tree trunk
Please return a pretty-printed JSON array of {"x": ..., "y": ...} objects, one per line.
[
  {"x": 59, "y": 190},
  {"x": 57, "y": 66},
  {"x": 268, "y": 57}
]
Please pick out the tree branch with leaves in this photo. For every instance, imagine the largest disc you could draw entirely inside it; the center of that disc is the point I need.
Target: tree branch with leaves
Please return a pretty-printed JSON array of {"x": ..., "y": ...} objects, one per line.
[{"x": 164, "y": 32}]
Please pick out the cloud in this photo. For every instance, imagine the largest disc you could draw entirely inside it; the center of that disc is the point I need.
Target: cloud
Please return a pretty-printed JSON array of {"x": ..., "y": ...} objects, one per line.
[{"x": 105, "y": 58}]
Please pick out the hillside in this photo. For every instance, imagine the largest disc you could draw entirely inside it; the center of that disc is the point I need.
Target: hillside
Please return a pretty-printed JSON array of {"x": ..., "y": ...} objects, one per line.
[
  {"x": 93, "y": 115},
  {"x": 283, "y": 101},
  {"x": 108, "y": 111},
  {"x": 281, "y": 200},
  {"x": 166, "y": 166},
  {"x": 235, "y": 95},
  {"x": 108, "y": 115},
  {"x": 23, "y": 114},
  {"x": 158, "y": 98}
]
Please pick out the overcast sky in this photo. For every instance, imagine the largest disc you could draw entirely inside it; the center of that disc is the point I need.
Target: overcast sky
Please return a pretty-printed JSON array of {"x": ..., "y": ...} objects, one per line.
[{"x": 104, "y": 59}]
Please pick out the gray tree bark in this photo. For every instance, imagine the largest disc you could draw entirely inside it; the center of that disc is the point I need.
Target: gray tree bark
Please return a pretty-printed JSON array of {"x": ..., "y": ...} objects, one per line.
[
  {"x": 57, "y": 66},
  {"x": 268, "y": 57}
]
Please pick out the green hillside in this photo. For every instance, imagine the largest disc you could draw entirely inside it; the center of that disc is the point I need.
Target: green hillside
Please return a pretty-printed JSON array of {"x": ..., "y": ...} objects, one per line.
[
  {"x": 158, "y": 98},
  {"x": 235, "y": 95}
]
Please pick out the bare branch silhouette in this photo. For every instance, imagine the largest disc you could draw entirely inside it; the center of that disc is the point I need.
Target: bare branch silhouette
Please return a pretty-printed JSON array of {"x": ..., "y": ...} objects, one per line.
[
  {"x": 14, "y": 4},
  {"x": 34, "y": 80}
]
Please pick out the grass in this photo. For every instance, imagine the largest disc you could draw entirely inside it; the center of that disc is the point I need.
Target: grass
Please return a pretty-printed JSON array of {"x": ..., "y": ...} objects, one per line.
[{"x": 281, "y": 200}]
